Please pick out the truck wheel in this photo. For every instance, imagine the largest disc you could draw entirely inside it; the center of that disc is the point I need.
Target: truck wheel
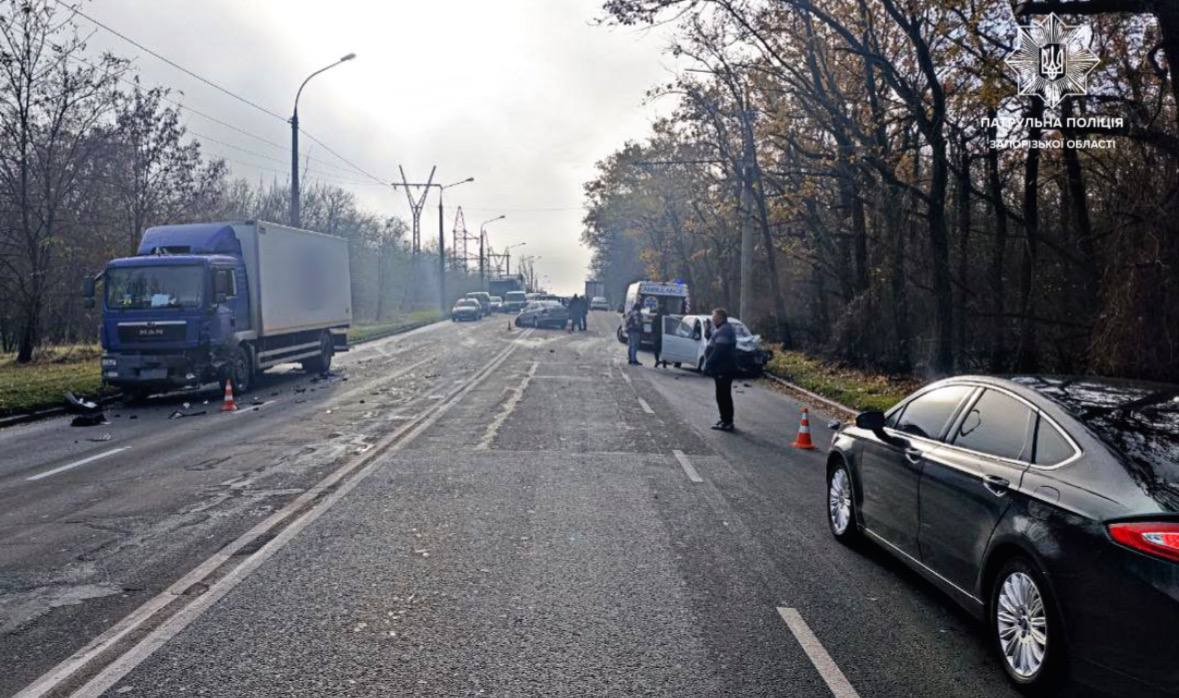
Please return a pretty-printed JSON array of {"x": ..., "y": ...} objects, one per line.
[
  {"x": 323, "y": 362},
  {"x": 240, "y": 371},
  {"x": 619, "y": 335}
]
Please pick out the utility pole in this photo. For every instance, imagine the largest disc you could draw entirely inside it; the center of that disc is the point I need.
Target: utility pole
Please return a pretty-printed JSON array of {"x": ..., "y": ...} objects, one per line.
[
  {"x": 416, "y": 206},
  {"x": 295, "y": 213},
  {"x": 747, "y": 208}
]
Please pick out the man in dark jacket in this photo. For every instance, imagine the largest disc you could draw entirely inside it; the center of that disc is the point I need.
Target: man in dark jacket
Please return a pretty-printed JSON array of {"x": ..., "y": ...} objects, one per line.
[{"x": 720, "y": 362}]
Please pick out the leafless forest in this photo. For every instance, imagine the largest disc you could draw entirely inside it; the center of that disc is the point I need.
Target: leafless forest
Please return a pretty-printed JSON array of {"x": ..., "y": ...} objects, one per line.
[{"x": 857, "y": 137}]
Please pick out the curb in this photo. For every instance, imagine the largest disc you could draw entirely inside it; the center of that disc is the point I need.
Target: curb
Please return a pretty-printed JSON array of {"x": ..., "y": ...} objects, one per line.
[
  {"x": 831, "y": 404},
  {"x": 37, "y": 415}
]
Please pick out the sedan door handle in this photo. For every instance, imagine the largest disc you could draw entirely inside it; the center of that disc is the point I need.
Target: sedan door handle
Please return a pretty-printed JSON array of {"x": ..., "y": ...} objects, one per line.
[
  {"x": 996, "y": 485},
  {"x": 914, "y": 454}
]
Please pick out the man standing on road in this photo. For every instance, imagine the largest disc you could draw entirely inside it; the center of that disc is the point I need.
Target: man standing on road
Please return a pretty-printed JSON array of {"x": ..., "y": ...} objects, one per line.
[
  {"x": 634, "y": 334},
  {"x": 720, "y": 362},
  {"x": 583, "y": 312}
]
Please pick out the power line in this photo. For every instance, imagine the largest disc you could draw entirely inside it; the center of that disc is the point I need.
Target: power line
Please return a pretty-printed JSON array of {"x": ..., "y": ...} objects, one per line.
[
  {"x": 343, "y": 159},
  {"x": 226, "y": 124},
  {"x": 172, "y": 63}
]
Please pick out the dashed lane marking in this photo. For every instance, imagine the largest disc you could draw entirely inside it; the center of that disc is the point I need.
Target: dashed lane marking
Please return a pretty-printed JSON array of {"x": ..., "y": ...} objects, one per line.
[
  {"x": 645, "y": 406},
  {"x": 814, "y": 649},
  {"x": 686, "y": 464},
  {"x": 77, "y": 463}
]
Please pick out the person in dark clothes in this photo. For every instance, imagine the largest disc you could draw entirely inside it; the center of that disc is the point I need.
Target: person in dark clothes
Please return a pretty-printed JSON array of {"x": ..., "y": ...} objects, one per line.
[
  {"x": 657, "y": 325},
  {"x": 720, "y": 362},
  {"x": 634, "y": 334},
  {"x": 583, "y": 312},
  {"x": 574, "y": 304}
]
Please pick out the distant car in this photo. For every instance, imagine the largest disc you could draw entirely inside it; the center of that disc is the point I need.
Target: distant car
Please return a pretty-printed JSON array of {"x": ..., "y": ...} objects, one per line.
[
  {"x": 543, "y": 314},
  {"x": 1047, "y": 507},
  {"x": 514, "y": 301},
  {"x": 497, "y": 304},
  {"x": 466, "y": 309},
  {"x": 599, "y": 303},
  {"x": 483, "y": 298},
  {"x": 685, "y": 340}
]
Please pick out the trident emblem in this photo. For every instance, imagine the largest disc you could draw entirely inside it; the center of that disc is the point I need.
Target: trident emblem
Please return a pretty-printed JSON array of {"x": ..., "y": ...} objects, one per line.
[{"x": 1051, "y": 61}]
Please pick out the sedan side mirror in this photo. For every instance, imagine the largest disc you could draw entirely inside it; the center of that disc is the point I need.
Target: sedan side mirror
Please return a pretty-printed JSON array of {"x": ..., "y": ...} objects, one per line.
[{"x": 872, "y": 420}]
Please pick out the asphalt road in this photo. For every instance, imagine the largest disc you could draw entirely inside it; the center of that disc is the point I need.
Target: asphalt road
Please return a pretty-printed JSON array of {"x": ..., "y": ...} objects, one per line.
[{"x": 526, "y": 516}]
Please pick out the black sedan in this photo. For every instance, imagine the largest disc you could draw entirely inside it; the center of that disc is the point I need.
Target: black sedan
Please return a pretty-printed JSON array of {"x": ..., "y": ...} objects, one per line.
[
  {"x": 1048, "y": 507},
  {"x": 543, "y": 314}
]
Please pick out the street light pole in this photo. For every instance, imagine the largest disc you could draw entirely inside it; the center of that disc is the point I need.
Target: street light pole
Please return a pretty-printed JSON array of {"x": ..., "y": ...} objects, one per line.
[
  {"x": 482, "y": 247},
  {"x": 508, "y": 257},
  {"x": 295, "y": 197},
  {"x": 442, "y": 245}
]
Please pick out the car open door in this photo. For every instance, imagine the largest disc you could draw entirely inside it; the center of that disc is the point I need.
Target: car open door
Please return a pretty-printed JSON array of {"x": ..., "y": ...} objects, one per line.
[{"x": 678, "y": 345}]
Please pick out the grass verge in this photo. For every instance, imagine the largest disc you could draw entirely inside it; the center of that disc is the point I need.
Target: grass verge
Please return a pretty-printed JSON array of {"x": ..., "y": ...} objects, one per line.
[
  {"x": 54, "y": 370},
  {"x": 365, "y": 333},
  {"x": 859, "y": 390}
]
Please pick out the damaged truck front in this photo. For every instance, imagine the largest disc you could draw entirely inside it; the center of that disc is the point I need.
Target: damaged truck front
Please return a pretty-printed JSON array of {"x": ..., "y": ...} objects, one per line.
[{"x": 221, "y": 302}]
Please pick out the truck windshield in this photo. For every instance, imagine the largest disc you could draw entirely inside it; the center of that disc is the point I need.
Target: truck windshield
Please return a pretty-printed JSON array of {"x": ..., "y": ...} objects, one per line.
[{"x": 136, "y": 288}]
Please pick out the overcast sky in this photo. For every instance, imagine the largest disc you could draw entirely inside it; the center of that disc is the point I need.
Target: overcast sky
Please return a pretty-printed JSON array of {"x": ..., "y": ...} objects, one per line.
[{"x": 523, "y": 95}]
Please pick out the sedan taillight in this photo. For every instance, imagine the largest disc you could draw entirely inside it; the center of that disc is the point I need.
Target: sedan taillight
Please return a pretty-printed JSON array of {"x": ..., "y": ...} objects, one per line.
[{"x": 1157, "y": 539}]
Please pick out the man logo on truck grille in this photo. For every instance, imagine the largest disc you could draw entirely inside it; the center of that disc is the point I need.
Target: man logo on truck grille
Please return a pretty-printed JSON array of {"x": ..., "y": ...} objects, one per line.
[{"x": 1052, "y": 60}]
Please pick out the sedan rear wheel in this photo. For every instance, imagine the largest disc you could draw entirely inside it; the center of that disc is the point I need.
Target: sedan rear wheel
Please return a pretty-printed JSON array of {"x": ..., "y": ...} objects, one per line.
[{"x": 1022, "y": 625}]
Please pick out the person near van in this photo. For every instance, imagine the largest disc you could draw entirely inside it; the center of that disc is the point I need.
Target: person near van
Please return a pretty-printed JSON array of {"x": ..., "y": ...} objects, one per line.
[
  {"x": 634, "y": 333},
  {"x": 720, "y": 362},
  {"x": 657, "y": 340},
  {"x": 574, "y": 306},
  {"x": 583, "y": 313}
]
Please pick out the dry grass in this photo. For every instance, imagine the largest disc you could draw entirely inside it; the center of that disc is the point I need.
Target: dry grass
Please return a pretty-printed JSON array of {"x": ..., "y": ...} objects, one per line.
[
  {"x": 857, "y": 389},
  {"x": 54, "y": 370}
]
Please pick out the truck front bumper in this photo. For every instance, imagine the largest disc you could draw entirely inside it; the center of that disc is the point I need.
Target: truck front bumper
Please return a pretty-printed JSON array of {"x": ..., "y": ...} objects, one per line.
[{"x": 156, "y": 370}]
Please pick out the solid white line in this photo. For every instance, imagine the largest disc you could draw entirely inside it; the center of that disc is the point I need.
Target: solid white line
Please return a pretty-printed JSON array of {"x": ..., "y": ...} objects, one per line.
[
  {"x": 71, "y": 466},
  {"x": 645, "y": 406},
  {"x": 170, "y": 627},
  {"x": 687, "y": 466},
  {"x": 831, "y": 674}
]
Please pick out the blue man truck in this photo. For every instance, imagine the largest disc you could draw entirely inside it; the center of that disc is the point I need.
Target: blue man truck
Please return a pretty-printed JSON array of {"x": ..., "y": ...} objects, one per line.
[{"x": 221, "y": 302}]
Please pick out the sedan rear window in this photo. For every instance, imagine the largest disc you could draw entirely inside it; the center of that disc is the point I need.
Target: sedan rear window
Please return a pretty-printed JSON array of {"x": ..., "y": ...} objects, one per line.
[
  {"x": 926, "y": 415},
  {"x": 1051, "y": 446},
  {"x": 1138, "y": 421}
]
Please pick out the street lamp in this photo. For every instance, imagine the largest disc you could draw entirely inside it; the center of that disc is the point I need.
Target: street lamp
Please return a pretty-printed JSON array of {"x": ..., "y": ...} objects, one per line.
[
  {"x": 508, "y": 257},
  {"x": 482, "y": 244},
  {"x": 442, "y": 244},
  {"x": 295, "y": 141}
]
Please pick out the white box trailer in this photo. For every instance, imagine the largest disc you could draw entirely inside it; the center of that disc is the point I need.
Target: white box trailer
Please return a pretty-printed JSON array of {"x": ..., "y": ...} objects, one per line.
[{"x": 299, "y": 280}]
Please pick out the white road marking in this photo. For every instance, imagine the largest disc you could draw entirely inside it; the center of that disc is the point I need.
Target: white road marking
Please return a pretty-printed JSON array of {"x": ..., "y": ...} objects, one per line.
[
  {"x": 687, "y": 466},
  {"x": 836, "y": 681},
  {"x": 626, "y": 378},
  {"x": 75, "y": 464},
  {"x": 508, "y": 408},
  {"x": 363, "y": 466},
  {"x": 645, "y": 406}
]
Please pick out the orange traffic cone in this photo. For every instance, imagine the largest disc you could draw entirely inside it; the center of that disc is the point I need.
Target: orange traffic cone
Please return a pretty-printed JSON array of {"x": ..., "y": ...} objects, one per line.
[
  {"x": 803, "y": 440},
  {"x": 229, "y": 405}
]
